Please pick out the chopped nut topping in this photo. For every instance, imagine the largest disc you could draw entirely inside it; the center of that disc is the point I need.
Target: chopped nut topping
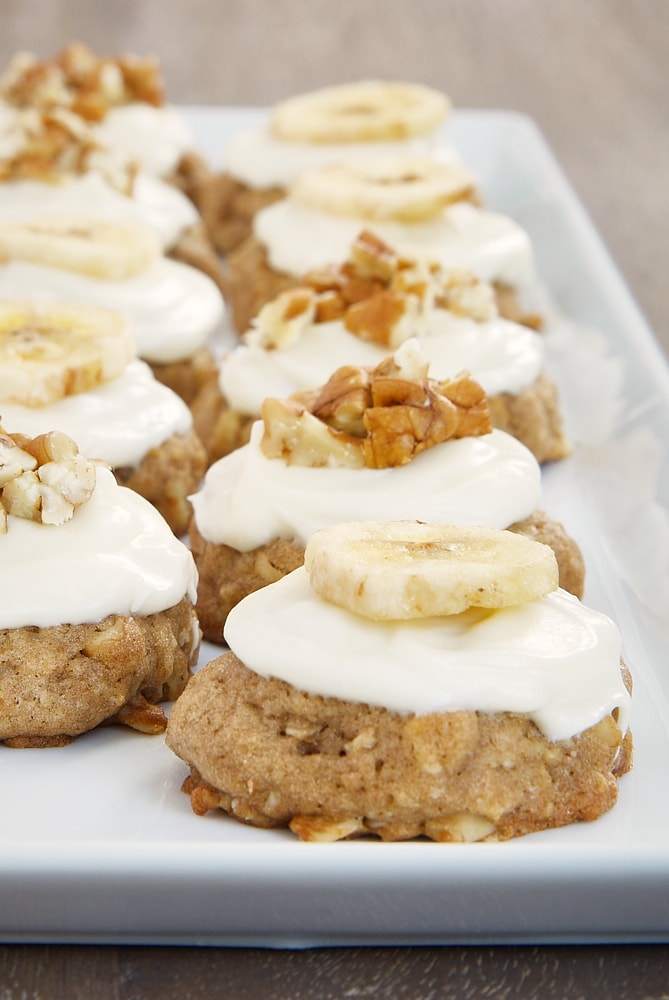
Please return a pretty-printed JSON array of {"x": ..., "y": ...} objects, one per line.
[
  {"x": 42, "y": 479},
  {"x": 372, "y": 258},
  {"x": 387, "y": 318},
  {"x": 293, "y": 434},
  {"x": 80, "y": 80},
  {"x": 282, "y": 321},
  {"x": 48, "y": 145},
  {"x": 374, "y": 417},
  {"x": 464, "y": 295},
  {"x": 379, "y": 295}
]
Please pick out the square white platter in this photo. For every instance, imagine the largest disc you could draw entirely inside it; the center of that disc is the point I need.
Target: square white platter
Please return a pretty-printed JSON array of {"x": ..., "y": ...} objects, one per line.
[{"x": 98, "y": 844}]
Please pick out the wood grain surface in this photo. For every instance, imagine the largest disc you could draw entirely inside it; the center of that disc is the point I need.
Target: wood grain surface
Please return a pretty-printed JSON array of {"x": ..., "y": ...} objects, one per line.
[{"x": 594, "y": 75}]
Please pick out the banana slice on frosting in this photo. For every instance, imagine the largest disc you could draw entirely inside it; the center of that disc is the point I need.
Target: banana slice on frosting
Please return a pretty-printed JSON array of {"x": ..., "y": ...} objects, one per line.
[
  {"x": 400, "y": 189},
  {"x": 49, "y": 351},
  {"x": 96, "y": 247},
  {"x": 365, "y": 111},
  {"x": 398, "y": 570}
]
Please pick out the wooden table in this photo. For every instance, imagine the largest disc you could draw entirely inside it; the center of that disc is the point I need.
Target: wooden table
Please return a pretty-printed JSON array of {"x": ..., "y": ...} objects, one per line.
[{"x": 594, "y": 76}]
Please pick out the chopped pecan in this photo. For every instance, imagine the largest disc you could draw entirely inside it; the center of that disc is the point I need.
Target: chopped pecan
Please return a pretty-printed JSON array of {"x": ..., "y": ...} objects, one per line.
[
  {"x": 372, "y": 258},
  {"x": 80, "y": 80},
  {"x": 282, "y": 321},
  {"x": 330, "y": 305},
  {"x": 387, "y": 318},
  {"x": 465, "y": 295},
  {"x": 45, "y": 145}
]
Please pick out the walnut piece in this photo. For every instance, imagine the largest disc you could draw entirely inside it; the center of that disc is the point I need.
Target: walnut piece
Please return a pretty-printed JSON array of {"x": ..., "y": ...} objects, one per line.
[
  {"x": 376, "y": 418},
  {"x": 293, "y": 434},
  {"x": 80, "y": 80},
  {"x": 282, "y": 321},
  {"x": 47, "y": 145},
  {"x": 42, "y": 479},
  {"x": 379, "y": 295}
]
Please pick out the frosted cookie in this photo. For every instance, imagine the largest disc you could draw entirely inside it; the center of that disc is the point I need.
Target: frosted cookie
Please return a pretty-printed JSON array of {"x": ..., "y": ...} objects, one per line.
[
  {"x": 96, "y": 598},
  {"x": 425, "y": 209},
  {"x": 411, "y": 680},
  {"x": 343, "y": 123},
  {"x": 173, "y": 308},
  {"x": 353, "y": 313},
  {"x": 73, "y": 368},
  {"x": 52, "y": 162},
  {"x": 387, "y": 442},
  {"x": 122, "y": 98}
]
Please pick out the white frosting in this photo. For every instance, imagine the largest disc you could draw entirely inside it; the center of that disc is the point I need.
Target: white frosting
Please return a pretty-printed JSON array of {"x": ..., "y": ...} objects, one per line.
[
  {"x": 116, "y": 556},
  {"x": 260, "y": 159},
  {"x": 554, "y": 660},
  {"x": 154, "y": 203},
  {"x": 493, "y": 246},
  {"x": 247, "y": 499},
  {"x": 118, "y": 421},
  {"x": 502, "y": 356},
  {"x": 156, "y": 137},
  {"x": 173, "y": 308}
]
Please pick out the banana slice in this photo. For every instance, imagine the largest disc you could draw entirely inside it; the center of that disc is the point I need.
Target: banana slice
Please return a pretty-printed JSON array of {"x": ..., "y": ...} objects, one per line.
[
  {"x": 49, "y": 351},
  {"x": 400, "y": 189},
  {"x": 397, "y": 570},
  {"x": 366, "y": 111},
  {"x": 112, "y": 251}
]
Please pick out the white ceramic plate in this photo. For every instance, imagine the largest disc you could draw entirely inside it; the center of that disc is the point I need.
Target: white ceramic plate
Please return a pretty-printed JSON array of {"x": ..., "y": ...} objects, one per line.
[{"x": 97, "y": 843}]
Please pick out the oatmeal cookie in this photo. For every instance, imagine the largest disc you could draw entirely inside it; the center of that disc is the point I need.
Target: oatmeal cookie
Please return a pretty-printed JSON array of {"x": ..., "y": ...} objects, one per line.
[
  {"x": 188, "y": 377},
  {"x": 167, "y": 475},
  {"x": 61, "y": 681},
  {"x": 532, "y": 416},
  {"x": 220, "y": 428},
  {"x": 272, "y": 755},
  {"x": 227, "y": 575},
  {"x": 250, "y": 282},
  {"x": 194, "y": 247},
  {"x": 227, "y": 207}
]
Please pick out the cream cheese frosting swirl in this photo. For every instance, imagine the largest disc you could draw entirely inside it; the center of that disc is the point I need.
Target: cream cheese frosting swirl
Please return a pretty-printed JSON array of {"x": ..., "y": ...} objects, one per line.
[
  {"x": 260, "y": 159},
  {"x": 155, "y": 137},
  {"x": 115, "y": 556},
  {"x": 298, "y": 238},
  {"x": 154, "y": 203},
  {"x": 555, "y": 659},
  {"x": 501, "y": 356},
  {"x": 248, "y": 499},
  {"x": 173, "y": 308},
  {"x": 119, "y": 421}
]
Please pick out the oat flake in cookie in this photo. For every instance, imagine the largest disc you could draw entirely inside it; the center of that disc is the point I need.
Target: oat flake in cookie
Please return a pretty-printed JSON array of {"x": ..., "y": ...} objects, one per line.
[
  {"x": 502, "y": 719},
  {"x": 96, "y": 598}
]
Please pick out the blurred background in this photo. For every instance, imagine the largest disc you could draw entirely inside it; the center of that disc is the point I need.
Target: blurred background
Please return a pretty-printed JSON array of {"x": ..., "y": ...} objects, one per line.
[{"x": 594, "y": 75}]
